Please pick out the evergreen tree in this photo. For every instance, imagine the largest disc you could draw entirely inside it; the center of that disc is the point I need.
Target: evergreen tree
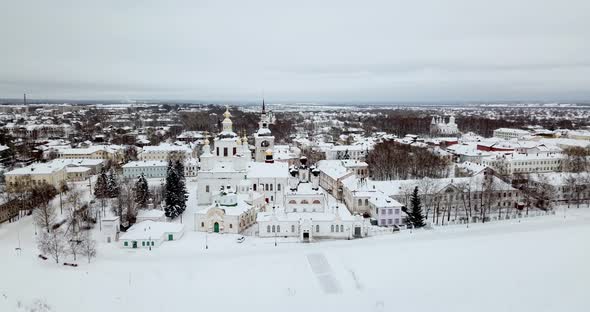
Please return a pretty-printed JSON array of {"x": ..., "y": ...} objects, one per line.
[
  {"x": 415, "y": 214},
  {"x": 142, "y": 192},
  {"x": 181, "y": 187},
  {"x": 101, "y": 186},
  {"x": 112, "y": 185},
  {"x": 172, "y": 208}
]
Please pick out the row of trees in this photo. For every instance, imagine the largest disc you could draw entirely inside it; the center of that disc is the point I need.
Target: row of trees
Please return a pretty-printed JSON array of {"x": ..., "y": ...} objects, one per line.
[
  {"x": 394, "y": 161},
  {"x": 466, "y": 200}
]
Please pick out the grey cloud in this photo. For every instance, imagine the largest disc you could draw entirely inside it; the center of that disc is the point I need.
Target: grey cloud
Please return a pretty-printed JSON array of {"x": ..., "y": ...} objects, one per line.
[{"x": 312, "y": 50}]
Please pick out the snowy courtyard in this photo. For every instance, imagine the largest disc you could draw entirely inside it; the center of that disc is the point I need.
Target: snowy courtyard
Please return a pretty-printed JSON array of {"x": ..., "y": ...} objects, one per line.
[{"x": 538, "y": 264}]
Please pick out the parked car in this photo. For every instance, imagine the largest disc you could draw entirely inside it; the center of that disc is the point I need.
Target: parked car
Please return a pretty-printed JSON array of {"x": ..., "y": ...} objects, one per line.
[{"x": 240, "y": 239}]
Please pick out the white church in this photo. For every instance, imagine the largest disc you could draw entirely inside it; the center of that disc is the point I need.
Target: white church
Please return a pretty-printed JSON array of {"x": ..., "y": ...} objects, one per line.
[
  {"x": 438, "y": 127},
  {"x": 230, "y": 163},
  {"x": 236, "y": 190}
]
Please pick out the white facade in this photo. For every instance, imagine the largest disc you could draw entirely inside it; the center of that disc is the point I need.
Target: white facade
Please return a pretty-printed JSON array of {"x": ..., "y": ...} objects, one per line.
[
  {"x": 358, "y": 152},
  {"x": 510, "y": 133},
  {"x": 157, "y": 168},
  {"x": 233, "y": 211},
  {"x": 306, "y": 213},
  {"x": 110, "y": 229},
  {"x": 148, "y": 234},
  {"x": 163, "y": 151},
  {"x": 523, "y": 163}
]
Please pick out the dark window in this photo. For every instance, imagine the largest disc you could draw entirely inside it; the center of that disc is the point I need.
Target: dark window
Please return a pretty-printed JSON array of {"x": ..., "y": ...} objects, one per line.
[
  {"x": 225, "y": 151},
  {"x": 235, "y": 150}
]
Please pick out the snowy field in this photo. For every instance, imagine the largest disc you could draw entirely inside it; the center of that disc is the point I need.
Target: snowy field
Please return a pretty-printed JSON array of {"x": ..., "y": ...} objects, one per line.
[{"x": 539, "y": 264}]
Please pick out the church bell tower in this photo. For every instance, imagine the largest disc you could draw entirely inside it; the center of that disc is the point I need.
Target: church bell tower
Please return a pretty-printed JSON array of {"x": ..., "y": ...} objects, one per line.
[{"x": 263, "y": 138}]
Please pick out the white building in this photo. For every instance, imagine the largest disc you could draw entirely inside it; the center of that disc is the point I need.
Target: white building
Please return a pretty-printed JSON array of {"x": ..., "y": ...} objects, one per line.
[
  {"x": 233, "y": 211},
  {"x": 148, "y": 234},
  {"x": 524, "y": 163},
  {"x": 307, "y": 213},
  {"x": 510, "y": 133},
  {"x": 162, "y": 152},
  {"x": 157, "y": 168},
  {"x": 386, "y": 210},
  {"x": 110, "y": 229},
  {"x": 340, "y": 152}
]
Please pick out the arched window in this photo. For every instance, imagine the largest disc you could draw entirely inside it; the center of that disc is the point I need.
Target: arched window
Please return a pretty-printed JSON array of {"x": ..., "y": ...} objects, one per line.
[
  {"x": 317, "y": 228},
  {"x": 271, "y": 187},
  {"x": 316, "y": 201},
  {"x": 278, "y": 187},
  {"x": 341, "y": 227},
  {"x": 202, "y": 224},
  {"x": 268, "y": 229},
  {"x": 254, "y": 186},
  {"x": 293, "y": 228},
  {"x": 366, "y": 202},
  {"x": 266, "y": 187},
  {"x": 304, "y": 202},
  {"x": 292, "y": 201},
  {"x": 230, "y": 226},
  {"x": 273, "y": 228},
  {"x": 332, "y": 228},
  {"x": 207, "y": 188},
  {"x": 278, "y": 229},
  {"x": 337, "y": 229},
  {"x": 360, "y": 202}
]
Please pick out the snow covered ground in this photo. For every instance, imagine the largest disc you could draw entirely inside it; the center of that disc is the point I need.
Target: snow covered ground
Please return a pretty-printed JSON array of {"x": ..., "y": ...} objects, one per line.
[{"x": 539, "y": 264}]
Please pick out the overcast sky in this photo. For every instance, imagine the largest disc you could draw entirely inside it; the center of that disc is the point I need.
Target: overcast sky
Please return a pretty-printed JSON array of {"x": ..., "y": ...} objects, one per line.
[{"x": 429, "y": 50}]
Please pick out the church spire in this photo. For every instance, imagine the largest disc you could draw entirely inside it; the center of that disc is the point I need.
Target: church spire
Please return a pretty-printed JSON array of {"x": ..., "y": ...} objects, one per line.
[{"x": 263, "y": 107}]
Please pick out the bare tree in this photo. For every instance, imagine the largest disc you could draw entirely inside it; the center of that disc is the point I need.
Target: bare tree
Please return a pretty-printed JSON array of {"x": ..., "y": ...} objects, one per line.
[
  {"x": 52, "y": 243},
  {"x": 488, "y": 195},
  {"x": 126, "y": 207},
  {"x": 427, "y": 186},
  {"x": 45, "y": 216},
  {"x": 88, "y": 246}
]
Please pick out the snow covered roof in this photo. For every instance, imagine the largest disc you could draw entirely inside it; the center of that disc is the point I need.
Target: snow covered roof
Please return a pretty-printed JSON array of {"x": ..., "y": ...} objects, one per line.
[
  {"x": 36, "y": 168},
  {"x": 77, "y": 162},
  {"x": 381, "y": 200},
  {"x": 77, "y": 169},
  {"x": 151, "y": 229},
  {"x": 150, "y": 213},
  {"x": 146, "y": 163},
  {"x": 266, "y": 170},
  {"x": 334, "y": 169},
  {"x": 164, "y": 147}
]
